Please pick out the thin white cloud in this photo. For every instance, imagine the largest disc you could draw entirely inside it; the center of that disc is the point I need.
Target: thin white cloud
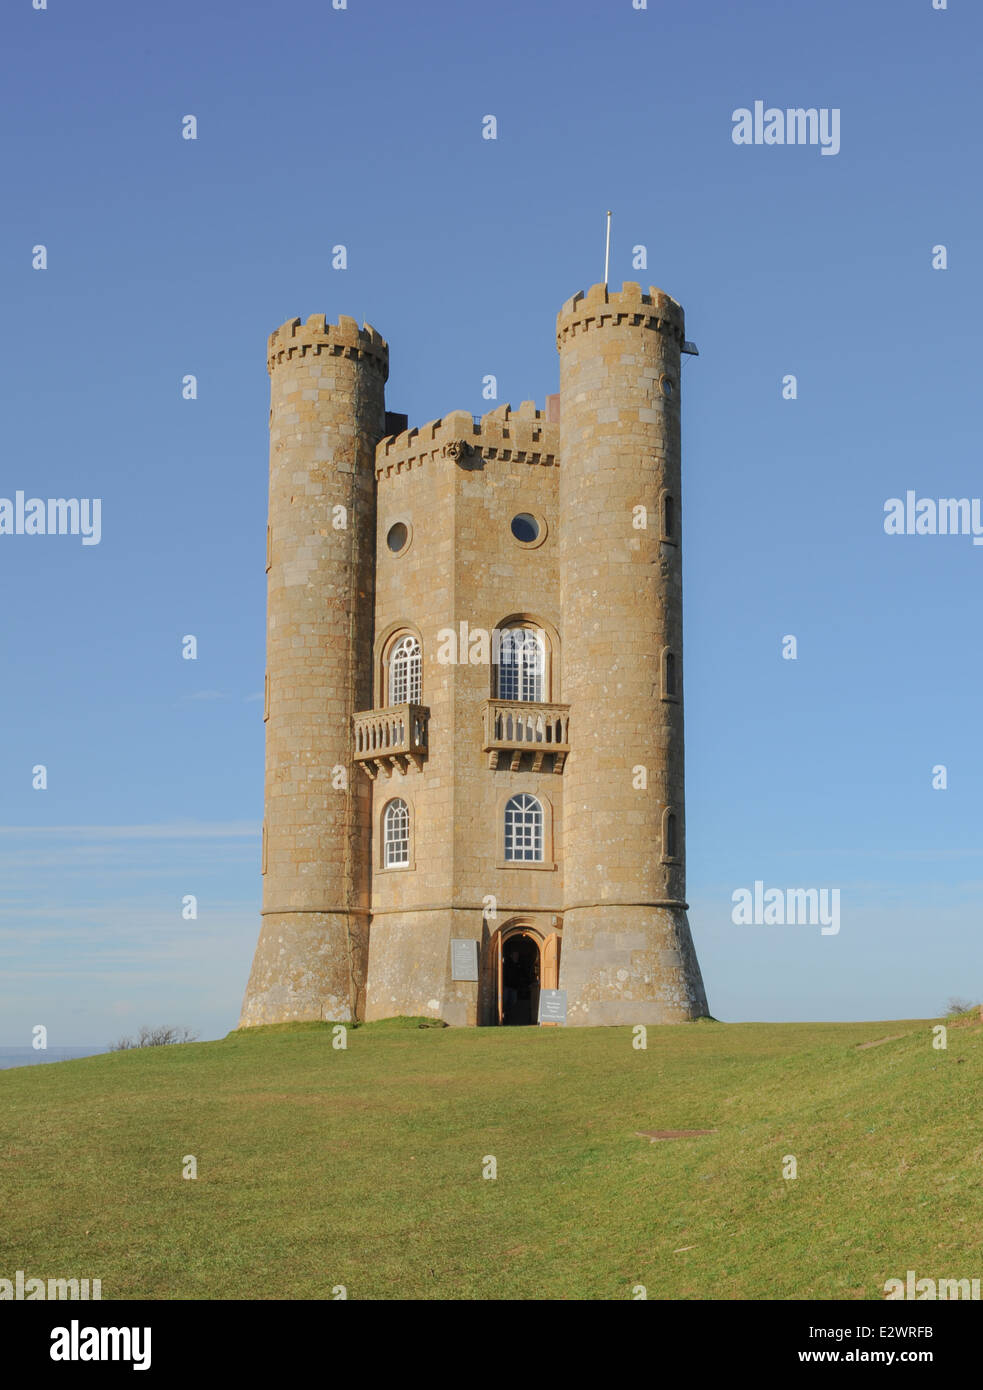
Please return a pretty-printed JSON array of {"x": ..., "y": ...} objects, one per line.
[{"x": 183, "y": 830}]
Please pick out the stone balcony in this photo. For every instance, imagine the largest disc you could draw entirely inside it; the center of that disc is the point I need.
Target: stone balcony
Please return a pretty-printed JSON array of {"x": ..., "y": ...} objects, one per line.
[
  {"x": 515, "y": 731},
  {"x": 386, "y": 739}
]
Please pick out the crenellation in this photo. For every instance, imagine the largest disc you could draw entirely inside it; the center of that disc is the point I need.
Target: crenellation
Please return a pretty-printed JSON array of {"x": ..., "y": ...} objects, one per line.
[
  {"x": 294, "y": 342},
  {"x": 627, "y": 308},
  {"x": 499, "y": 434}
]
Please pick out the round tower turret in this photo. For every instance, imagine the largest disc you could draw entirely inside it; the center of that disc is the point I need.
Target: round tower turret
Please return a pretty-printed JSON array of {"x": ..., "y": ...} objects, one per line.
[
  {"x": 627, "y": 952},
  {"x": 327, "y": 415}
]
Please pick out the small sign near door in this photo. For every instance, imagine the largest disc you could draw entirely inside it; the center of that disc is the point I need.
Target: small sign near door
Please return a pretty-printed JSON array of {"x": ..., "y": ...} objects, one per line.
[
  {"x": 464, "y": 958},
  {"x": 552, "y": 1006}
]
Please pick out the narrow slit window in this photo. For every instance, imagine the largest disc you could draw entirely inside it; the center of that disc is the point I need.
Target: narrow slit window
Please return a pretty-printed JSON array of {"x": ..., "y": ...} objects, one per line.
[
  {"x": 669, "y": 674},
  {"x": 670, "y": 846}
]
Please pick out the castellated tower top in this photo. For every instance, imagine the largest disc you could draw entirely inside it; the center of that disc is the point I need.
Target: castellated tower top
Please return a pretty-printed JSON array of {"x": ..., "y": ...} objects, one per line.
[
  {"x": 602, "y": 306},
  {"x": 524, "y": 435},
  {"x": 344, "y": 338}
]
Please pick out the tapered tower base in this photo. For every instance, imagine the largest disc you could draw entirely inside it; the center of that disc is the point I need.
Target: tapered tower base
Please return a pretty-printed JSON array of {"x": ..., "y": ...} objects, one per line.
[
  {"x": 626, "y": 965},
  {"x": 308, "y": 966}
]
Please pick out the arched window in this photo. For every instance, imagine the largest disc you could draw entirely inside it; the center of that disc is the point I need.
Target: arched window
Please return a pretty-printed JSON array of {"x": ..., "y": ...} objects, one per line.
[
  {"x": 523, "y": 829},
  {"x": 522, "y": 664},
  {"x": 668, "y": 517},
  {"x": 396, "y": 834},
  {"x": 405, "y": 672}
]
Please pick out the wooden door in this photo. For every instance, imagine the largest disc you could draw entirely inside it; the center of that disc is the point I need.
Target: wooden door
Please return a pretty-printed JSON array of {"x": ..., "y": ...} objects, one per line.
[
  {"x": 499, "y": 1001},
  {"x": 549, "y": 969}
]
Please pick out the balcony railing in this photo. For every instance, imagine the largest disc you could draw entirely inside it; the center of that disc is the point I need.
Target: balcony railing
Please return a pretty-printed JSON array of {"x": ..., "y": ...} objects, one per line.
[
  {"x": 391, "y": 738},
  {"x": 518, "y": 730}
]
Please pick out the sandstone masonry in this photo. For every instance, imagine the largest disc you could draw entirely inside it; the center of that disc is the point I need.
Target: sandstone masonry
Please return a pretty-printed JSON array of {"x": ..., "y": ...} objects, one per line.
[{"x": 474, "y": 687}]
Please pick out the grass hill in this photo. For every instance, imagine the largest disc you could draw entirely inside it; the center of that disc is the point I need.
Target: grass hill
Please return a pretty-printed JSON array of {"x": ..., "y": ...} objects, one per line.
[{"x": 320, "y": 1167}]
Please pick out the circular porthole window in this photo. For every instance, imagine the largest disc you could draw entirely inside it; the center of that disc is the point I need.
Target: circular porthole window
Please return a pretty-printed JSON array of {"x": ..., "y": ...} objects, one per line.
[
  {"x": 667, "y": 386},
  {"x": 528, "y": 530},
  {"x": 525, "y": 528},
  {"x": 398, "y": 537}
]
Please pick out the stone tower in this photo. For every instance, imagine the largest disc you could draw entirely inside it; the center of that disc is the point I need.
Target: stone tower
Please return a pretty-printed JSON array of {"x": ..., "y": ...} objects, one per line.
[
  {"x": 327, "y": 414},
  {"x": 627, "y": 952},
  {"x": 474, "y": 755}
]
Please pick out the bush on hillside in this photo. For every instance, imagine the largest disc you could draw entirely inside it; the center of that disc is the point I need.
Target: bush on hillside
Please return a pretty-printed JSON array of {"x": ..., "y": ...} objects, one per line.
[
  {"x": 154, "y": 1037},
  {"x": 958, "y": 1005}
]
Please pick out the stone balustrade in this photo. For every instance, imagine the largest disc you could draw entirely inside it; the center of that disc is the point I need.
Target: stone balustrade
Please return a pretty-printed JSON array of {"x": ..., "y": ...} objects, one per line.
[
  {"x": 534, "y": 731},
  {"x": 391, "y": 738}
]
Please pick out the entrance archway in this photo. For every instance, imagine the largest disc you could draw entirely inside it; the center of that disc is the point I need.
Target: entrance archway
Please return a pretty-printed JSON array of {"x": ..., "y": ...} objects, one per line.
[
  {"x": 537, "y": 968},
  {"x": 520, "y": 979}
]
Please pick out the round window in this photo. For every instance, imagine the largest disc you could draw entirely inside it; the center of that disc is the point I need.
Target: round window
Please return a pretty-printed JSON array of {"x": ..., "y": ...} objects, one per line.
[
  {"x": 525, "y": 528},
  {"x": 667, "y": 386},
  {"x": 398, "y": 537}
]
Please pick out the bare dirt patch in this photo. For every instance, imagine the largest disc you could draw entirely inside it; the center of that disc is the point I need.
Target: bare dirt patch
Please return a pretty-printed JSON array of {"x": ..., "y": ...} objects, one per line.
[
  {"x": 654, "y": 1134},
  {"x": 878, "y": 1041}
]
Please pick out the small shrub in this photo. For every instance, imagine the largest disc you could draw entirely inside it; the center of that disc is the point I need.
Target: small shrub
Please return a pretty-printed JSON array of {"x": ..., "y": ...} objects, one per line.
[
  {"x": 164, "y": 1036},
  {"x": 958, "y": 1005}
]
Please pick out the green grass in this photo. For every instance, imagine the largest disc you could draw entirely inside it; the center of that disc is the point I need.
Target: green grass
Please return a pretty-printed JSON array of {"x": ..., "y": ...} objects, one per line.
[{"x": 319, "y": 1167}]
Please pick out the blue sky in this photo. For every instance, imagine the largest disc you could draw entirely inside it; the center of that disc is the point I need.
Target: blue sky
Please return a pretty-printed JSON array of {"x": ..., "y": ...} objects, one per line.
[{"x": 363, "y": 127}]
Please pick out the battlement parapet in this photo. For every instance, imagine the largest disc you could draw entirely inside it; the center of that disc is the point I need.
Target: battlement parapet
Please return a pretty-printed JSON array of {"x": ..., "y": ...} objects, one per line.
[
  {"x": 602, "y": 307},
  {"x": 524, "y": 435},
  {"x": 344, "y": 338}
]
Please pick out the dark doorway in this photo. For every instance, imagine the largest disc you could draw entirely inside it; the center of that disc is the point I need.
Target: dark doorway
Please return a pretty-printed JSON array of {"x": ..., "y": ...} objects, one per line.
[{"x": 520, "y": 980}]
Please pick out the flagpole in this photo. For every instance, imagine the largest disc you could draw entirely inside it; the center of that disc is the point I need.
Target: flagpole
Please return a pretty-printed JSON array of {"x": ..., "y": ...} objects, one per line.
[{"x": 607, "y": 250}]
